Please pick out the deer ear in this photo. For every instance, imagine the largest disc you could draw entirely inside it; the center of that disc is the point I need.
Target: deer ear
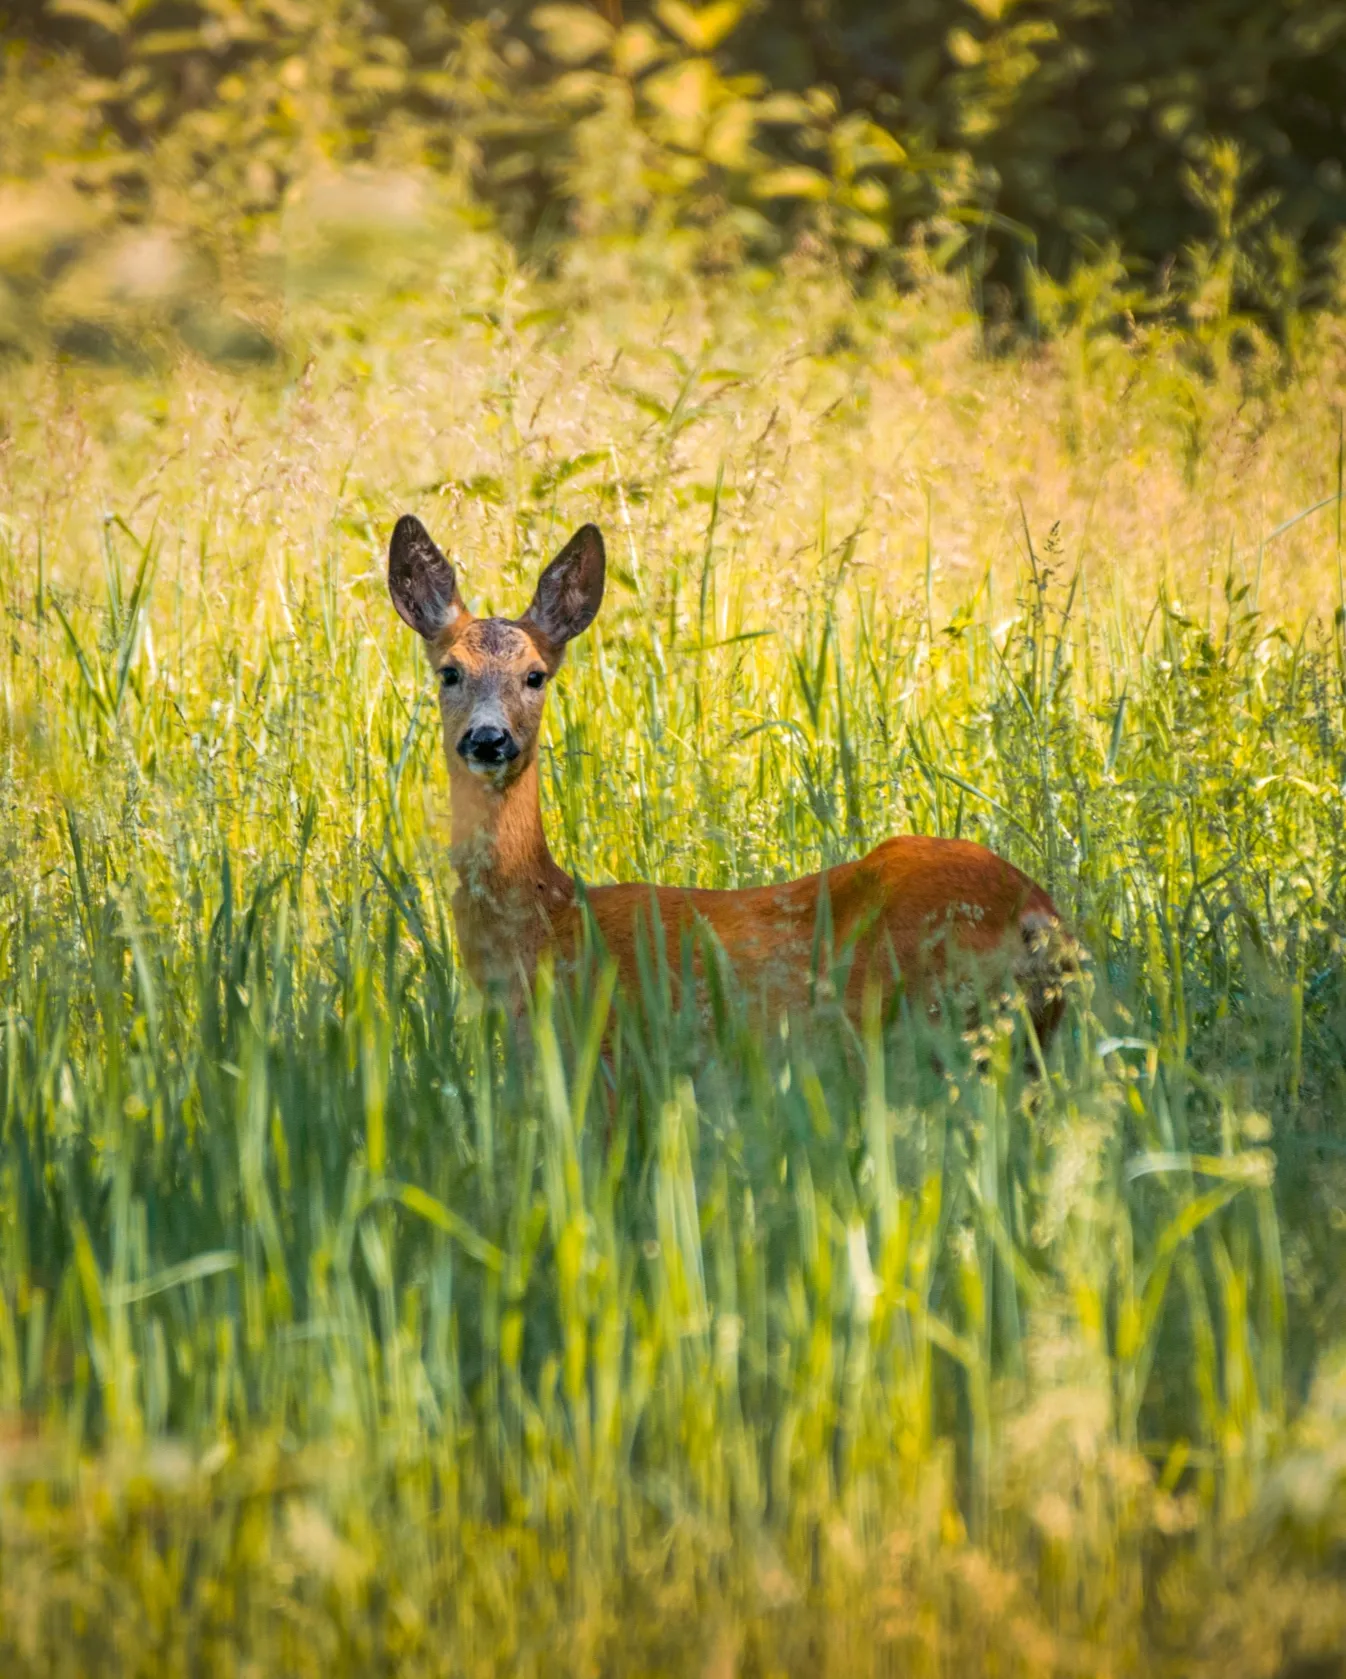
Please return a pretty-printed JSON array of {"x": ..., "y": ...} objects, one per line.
[
  {"x": 570, "y": 591},
  {"x": 421, "y": 580}
]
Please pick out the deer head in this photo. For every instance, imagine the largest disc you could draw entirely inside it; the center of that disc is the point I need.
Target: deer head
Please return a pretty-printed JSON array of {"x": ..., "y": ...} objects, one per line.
[{"x": 493, "y": 672}]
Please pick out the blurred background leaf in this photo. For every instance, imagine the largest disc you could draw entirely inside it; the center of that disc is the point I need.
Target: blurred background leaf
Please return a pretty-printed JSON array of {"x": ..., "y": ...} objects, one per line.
[{"x": 734, "y": 130}]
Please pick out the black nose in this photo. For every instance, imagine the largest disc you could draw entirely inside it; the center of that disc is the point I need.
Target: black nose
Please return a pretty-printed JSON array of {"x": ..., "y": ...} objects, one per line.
[{"x": 488, "y": 746}]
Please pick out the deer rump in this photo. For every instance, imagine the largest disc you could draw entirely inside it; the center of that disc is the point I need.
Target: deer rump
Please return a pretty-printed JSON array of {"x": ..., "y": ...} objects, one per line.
[{"x": 939, "y": 916}]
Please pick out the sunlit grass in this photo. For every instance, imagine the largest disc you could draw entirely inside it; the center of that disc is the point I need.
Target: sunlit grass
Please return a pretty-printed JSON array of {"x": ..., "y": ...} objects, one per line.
[{"x": 338, "y": 1333}]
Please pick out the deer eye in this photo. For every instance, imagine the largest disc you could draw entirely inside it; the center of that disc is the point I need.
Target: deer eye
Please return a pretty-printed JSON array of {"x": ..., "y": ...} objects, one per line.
[
  {"x": 535, "y": 678},
  {"x": 451, "y": 676}
]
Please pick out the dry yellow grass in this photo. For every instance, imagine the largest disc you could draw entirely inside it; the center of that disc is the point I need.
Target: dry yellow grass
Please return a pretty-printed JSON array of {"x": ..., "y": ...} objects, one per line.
[{"x": 826, "y": 415}]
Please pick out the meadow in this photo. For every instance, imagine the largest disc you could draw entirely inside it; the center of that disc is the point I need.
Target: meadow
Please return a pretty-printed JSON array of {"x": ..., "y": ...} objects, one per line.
[{"x": 342, "y": 1334}]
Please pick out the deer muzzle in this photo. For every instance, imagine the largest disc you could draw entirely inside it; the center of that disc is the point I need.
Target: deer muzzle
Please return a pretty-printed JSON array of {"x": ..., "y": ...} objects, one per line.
[{"x": 487, "y": 747}]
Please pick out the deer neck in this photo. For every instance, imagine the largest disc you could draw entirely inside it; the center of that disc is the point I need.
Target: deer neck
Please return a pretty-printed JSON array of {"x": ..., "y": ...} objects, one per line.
[{"x": 510, "y": 888}]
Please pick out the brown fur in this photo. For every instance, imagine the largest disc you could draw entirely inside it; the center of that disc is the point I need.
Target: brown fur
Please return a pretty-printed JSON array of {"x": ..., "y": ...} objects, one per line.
[{"x": 928, "y": 909}]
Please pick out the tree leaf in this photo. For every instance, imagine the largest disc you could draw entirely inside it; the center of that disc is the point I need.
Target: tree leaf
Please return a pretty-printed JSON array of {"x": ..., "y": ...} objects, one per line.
[
  {"x": 865, "y": 232},
  {"x": 729, "y": 141},
  {"x": 572, "y": 34},
  {"x": 169, "y": 43},
  {"x": 797, "y": 181},
  {"x": 100, "y": 12},
  {"x": 783, "y": 108},
  {"x": 683, "y": 90},
  {"x": 703, "y": 27},
  {"x": 637, "y": 48}
]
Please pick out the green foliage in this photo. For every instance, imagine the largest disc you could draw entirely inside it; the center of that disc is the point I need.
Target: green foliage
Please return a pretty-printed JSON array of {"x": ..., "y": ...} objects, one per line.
[
  {"x": 1010, "y": 139},
  {"x": 1081, "y": 118}
]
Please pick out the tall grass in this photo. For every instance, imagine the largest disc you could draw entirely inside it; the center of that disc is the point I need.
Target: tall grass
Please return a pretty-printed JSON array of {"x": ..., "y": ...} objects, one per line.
[{"x": 340, "y": 1333}]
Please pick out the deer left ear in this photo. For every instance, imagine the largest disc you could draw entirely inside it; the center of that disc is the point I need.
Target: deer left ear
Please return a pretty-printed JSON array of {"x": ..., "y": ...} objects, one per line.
[
  {"x": 570, "y": 591},
  {"x": 421, "y": 580}
]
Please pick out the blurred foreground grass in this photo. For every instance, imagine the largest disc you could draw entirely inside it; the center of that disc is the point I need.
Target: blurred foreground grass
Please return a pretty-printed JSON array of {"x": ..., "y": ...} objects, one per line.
[{"x": 339, "y": 1336}]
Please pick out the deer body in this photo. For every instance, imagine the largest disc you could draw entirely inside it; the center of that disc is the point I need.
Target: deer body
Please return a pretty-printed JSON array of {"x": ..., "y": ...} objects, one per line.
[{"x": 925, "y": 908}]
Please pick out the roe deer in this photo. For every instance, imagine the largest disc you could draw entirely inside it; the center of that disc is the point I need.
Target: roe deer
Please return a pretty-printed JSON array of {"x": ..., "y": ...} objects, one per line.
[{"x": 930, "y": 908}]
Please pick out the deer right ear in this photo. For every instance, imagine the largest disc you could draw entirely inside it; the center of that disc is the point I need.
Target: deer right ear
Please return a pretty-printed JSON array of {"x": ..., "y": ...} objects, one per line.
[{"x": 421, "y": 580}]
